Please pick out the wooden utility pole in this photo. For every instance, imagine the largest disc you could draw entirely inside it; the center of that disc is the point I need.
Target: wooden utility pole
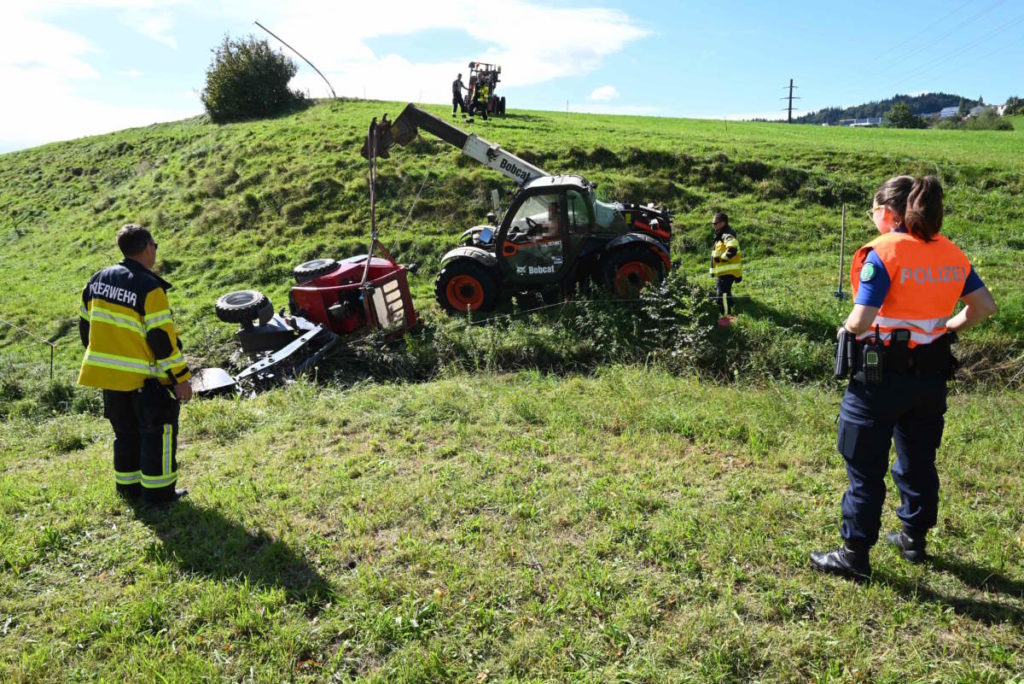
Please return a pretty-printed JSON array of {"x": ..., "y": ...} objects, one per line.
[{"x": 789, "y": 118}]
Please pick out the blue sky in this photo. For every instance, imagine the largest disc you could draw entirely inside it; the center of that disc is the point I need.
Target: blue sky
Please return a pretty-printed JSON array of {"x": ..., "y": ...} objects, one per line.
[{"x": 80, "y": 67}]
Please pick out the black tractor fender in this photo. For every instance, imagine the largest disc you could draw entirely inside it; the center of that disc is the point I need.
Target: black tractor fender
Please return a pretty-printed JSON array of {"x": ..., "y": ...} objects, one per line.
[
  {"x": 469, "y": 235},
  {"x": 481, "y": 256},
  {"x": 639, "y": 238}
]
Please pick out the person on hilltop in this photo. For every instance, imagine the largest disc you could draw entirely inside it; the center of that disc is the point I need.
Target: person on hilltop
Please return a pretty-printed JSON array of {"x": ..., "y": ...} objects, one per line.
[
  {"x": 895, "y": 346},
  {"x": 133, "y": 354},
  {"x": 726, "y": 262},
  {"x": 457, "y": 102}
]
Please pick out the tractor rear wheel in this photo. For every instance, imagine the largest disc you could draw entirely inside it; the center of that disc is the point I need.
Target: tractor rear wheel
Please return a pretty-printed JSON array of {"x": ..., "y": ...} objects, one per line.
[
  {"x": 309, "y": 270},
  {"x": 628, "y": 269},
  {"x": 463, "y": 285},
  {"x": 244, "y": 306}
]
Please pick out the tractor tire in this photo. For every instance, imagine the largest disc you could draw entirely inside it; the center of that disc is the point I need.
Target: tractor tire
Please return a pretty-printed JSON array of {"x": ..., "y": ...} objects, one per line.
[
  {"x": 627, "y": 269},
  {"x": 501, "y": 106},
  {"x": 464, "y": 284},
  {"x": 313, "y": 269},
  {"x": 244, "y": 306}
]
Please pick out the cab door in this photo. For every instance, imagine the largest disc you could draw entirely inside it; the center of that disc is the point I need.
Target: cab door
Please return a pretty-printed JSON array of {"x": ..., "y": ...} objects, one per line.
[{"x": 531, "y": 245}]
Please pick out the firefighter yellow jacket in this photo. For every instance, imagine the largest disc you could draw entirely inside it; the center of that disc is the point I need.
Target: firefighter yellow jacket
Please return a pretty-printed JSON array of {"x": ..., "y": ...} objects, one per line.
[
  {"x": 127, "y": 330},
  {"x": 726, "y": 258}
]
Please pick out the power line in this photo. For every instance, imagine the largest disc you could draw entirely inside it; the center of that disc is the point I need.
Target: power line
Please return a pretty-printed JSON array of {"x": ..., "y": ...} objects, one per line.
[
  {"x": 790, "y": 97},
  {"x": 923, "y": 34}
]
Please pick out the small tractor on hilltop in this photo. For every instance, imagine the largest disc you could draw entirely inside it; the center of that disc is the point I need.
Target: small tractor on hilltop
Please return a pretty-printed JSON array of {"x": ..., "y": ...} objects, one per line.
[
  {"x": 554, "y": 237},
  {"x": 481, "y": 74}
]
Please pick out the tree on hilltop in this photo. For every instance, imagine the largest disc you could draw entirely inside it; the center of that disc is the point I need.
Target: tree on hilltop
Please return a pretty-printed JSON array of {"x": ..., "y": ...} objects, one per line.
[{"x": 248, "y": 80}]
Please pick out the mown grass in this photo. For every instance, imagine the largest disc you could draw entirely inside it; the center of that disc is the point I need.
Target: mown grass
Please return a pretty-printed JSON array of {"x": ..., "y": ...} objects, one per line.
[{"x": 631, "y": 525}]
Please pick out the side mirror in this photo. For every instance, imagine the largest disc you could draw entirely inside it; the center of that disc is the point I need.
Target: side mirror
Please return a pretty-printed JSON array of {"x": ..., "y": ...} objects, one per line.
[{"x": 496, "y": 201}]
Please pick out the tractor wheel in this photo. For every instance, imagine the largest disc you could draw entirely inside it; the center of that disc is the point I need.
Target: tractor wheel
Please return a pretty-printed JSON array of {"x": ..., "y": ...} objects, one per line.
[
  {"x": 501, "y": 106},
  {"x": 464, "y": 284},
  {"x": 313, "y": 269},
  {"x": 628, "y": 269},
  {"x": 244, "y": 306}
]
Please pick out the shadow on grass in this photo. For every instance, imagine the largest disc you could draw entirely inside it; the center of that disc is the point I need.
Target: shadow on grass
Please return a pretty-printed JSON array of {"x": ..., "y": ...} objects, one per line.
[
  {"x": 814, "y": 328},
  {"x": 977, "y": 577},
  {"x": 203, "y": 541}
]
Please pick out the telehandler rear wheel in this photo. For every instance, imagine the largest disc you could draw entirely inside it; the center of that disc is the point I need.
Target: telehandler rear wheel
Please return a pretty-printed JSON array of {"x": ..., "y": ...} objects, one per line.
[
  {"x": 628, "y": 269},
  {"x": 464, "y": 285}
]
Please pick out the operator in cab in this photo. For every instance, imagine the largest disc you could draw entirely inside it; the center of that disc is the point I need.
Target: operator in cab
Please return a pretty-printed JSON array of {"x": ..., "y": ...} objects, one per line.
[{"x": 895, "y": 347}]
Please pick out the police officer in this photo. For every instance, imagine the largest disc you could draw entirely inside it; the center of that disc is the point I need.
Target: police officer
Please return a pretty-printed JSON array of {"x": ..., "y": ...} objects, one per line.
[
  {"x": 133, "y": 354},
  {"x": 457, "y": 101},
  {"x": 906, "y": 283},
  {"x": 726, "y": 262}
]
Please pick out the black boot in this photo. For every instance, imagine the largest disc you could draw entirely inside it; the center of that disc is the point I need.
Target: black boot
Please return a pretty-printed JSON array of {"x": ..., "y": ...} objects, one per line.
[
  {"x": 850, "y": 561},
  {"x": 911, "y": 545},
  {"x": 164, "y": 497}
]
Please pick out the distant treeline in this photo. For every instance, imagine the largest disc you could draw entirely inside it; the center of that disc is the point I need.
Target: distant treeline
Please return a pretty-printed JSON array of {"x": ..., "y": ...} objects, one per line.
[{"x": 928, "y": 103}]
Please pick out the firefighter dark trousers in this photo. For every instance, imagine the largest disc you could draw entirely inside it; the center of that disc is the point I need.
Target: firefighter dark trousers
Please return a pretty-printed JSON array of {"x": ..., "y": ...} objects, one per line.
[
  {"x": 723, "y": 294},
  {"x": 909, "y": 409},
  {"x": 145, "y": 423}
]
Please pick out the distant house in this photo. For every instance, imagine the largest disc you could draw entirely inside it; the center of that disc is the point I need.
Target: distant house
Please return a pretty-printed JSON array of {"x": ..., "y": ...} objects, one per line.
[
  {"x": 975, "y": 111},
  {"x": 861, "y": 123},
  {"x": 1000, "y": 109},
  {"x": 948, "y": 112}
]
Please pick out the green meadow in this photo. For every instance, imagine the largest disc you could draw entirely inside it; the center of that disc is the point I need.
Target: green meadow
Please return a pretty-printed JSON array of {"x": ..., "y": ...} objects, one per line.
[{"x": 590, "y": 492}]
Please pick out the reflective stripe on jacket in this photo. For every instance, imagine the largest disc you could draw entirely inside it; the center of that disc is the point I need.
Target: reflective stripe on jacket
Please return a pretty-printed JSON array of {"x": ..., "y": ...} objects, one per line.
[
  {"x": 927, "y": 279},
  {"x": 128, "y": 330},
  {"x": 726, "y": 258}
]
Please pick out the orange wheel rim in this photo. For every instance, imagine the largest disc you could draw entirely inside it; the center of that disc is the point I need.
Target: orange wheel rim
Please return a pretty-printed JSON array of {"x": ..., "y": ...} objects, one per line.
[
  {"x": 631, "y": 277},
  {"x": 464, "y": 292}
]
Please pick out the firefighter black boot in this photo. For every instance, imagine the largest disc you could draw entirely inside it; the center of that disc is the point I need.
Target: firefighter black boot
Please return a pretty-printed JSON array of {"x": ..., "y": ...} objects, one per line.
[
  {"x": 910, "y": 543},
  {"x": 850, "y": 561}
]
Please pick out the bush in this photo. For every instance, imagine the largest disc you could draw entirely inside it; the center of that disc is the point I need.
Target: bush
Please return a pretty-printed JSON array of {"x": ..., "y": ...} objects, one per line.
[
  {"x": 248, "y": 80},
  {"x": 988, "y": 120},
  {"x": 900, "y": 116}
]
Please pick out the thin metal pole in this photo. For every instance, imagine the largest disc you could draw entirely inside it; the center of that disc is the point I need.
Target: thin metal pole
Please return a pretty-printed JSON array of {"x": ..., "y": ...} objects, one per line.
[
  {"x": 839, "y": 294},
  {"x": 303, "y": 58}
]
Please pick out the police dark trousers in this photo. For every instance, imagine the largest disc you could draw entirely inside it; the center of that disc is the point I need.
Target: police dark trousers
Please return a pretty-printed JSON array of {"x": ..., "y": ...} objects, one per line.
[
  {"x": 145, "y": 423},
  {"x": 910, "y": 408},
  {"x": 723, "y": 293}
]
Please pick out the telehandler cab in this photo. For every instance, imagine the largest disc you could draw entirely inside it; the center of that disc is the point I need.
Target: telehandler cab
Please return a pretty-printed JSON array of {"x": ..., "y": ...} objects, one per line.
[{"x": 554, "y": 236}]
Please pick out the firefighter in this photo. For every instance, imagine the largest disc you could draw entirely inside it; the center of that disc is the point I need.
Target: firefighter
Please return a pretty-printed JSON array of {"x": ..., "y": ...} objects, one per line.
[
  {"x": 133, "y": 354},
  {"x": 457, "y": 101},
  {"x": 483, "y": 96},
  {"x": 726, "y": 262},
  {"x": 906, "y": 283}
]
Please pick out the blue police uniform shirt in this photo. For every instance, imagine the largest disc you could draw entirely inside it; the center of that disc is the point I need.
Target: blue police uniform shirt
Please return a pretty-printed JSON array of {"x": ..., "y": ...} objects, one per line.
[{"x": 873, "y": 290}]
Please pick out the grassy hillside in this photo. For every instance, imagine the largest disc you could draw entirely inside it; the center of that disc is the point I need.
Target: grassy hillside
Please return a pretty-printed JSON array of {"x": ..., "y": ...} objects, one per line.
[
  {"x": 631, "y": 526},
  {"x": 238, "y": 205},
  {"x": 620, "y": 518}
]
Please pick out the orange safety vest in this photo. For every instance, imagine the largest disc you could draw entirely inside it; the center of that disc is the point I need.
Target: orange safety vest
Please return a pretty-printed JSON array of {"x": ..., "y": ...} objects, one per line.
[{"x": 926, "y": 281}]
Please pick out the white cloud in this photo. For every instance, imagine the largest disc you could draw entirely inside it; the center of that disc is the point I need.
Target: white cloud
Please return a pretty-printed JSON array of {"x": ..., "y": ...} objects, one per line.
[
  {"x": 533, "y": 43},
  {"x": 155, "y": 26},
  {"x": 604, "y": 94}
]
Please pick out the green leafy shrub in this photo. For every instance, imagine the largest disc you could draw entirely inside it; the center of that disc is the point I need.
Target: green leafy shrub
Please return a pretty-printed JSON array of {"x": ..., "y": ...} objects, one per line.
[
  {"x": 988, "y": 120},
  {"x": 900, "y": 116},
  {"x": 248, "y": 80}
]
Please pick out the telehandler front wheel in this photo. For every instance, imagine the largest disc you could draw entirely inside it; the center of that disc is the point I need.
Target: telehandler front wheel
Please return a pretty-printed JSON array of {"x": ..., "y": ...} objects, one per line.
[
  {"x": 244, "y": 306},
  {"x": 464, "y": 285}
]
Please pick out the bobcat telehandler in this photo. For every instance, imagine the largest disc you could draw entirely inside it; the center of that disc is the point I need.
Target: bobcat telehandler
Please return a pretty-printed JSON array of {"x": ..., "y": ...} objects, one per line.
[{"x": 554, "y": 236}]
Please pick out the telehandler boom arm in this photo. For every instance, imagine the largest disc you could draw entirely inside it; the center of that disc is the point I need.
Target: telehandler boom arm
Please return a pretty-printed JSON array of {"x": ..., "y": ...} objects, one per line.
[{"x": 403, "y": 131}]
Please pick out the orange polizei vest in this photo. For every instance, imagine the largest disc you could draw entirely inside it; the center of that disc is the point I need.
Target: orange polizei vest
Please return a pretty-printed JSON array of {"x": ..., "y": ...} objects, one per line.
[{"x": 927, "y": 279}]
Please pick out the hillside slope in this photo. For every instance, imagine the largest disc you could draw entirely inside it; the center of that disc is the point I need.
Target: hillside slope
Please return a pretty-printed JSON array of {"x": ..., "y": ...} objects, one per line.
[{"x": 238, "y": 205}]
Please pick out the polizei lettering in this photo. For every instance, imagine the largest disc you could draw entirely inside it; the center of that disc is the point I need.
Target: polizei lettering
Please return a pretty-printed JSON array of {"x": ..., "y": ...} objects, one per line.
[
  {"x": 515, "y": 170},
  {"x": 111, "y": 293},
  {"x": 934, "y": 274}
]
